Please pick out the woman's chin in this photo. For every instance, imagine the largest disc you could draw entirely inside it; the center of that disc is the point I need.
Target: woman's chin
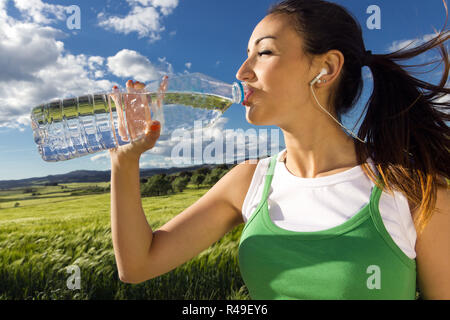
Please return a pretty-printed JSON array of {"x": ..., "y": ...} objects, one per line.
[
  {"x": 253, "y": 119},
  {"x": 249, "y": 114}
]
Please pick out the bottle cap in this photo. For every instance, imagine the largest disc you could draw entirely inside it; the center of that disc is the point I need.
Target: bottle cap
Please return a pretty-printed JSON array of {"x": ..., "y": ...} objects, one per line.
[{"x": 238, "y": 92}]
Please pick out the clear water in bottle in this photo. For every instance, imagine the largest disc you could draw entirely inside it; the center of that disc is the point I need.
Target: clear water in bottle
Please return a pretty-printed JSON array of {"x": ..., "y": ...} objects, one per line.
[{"x": 74, "y": 127}]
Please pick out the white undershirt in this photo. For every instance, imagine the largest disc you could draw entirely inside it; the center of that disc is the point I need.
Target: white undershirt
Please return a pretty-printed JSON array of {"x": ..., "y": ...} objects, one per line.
[{"x": 325, "y": 202}]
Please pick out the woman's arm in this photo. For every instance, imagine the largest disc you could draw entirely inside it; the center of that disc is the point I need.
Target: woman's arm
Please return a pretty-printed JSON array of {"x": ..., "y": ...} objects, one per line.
[
  {"x": 433, "y": 251},
  {"x": 142, "y": 253},
  {"x": 131, "y": 233}
]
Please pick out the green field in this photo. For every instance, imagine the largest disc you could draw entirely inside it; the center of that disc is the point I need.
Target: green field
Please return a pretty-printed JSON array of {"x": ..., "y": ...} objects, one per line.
[
  {"x": 43, "y": 234},
  {"x": 46, "y": 229}
]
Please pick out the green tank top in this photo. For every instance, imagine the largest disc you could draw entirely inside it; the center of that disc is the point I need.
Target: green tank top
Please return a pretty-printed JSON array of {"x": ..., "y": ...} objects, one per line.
[{"x": 354, "y": 260}]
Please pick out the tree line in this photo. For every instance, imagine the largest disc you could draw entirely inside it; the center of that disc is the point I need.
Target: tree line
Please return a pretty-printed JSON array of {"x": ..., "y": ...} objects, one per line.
[{"x": 163, "y": 184}]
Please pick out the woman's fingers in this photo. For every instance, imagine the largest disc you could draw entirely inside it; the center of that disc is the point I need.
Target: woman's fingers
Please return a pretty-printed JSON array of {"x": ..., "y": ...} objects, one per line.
[
  {"x": 144, "y": 110},
  {"x": 119, "y": 110},
  {"x": 139, "y": 85},
  {"x": 162, "y": 90},
  {"x": 148, "y": 141},
  {"x": 151, "y": 135},
  {"x": 138, "y": 120},
  {"x": 138, "y": 110},
  {"x": 129, "y": 99}
]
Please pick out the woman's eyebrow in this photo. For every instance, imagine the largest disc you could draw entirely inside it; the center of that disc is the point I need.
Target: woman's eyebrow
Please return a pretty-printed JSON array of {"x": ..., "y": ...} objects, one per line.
[{"x": 262, "y": 38}]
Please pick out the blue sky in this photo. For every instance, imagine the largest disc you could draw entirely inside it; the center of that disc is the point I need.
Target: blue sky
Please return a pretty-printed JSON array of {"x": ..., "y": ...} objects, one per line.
[{"x": 42, "y": 59}]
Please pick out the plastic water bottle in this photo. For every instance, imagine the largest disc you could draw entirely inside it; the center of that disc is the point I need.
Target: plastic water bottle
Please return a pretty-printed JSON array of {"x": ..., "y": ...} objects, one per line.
[{"x": 69, "y": 128}]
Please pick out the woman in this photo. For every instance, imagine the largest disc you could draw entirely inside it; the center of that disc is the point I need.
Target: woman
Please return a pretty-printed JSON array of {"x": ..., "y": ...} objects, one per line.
[{"x": 315, "y": 228}]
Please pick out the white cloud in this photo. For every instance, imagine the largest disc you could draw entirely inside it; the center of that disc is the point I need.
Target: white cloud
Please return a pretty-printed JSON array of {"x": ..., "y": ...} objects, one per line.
[
  {"x": 98, "y": 74},
  {"x": 73, "y": 76},
  {"x": 165, "y": 65},
  {"x": 129, "y": 63},
  {"x": 144, "y": 21},
  {"x": 227, "y": 145},
  {"x": 166, "y": 6},
  {"x": 35, "y": 67},
  {"x": 188, "y": 65},
  {"x": 40, "y": 12},
  {"x": 101, "y": 156},
  {"x": 156, "y": 163},
  {"x": 95, "y": 61},
  {"x": 69, "y": 75},
  {"x": 144, "y": 18},
  {"x": 411, "y": 43},
  {"x": 26, "y": 48}
]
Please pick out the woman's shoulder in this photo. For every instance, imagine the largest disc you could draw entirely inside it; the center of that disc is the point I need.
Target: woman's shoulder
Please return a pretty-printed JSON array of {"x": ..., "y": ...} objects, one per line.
[
  {"x": 242, "y": 175},
  {"x": 247, "y": 170}
]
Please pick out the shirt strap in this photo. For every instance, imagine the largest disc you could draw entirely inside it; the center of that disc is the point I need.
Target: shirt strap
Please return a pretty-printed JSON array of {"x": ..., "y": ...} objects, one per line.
[{"x": 269, "y": 175}]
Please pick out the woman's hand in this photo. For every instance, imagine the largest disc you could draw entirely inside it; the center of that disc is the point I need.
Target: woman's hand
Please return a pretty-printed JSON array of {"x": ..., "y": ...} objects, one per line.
[{"x": 151, "y": 129}]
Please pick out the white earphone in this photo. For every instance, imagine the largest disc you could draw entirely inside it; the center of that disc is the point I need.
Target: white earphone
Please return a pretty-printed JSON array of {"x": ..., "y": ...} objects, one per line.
[{"x": 317, "y": 79}]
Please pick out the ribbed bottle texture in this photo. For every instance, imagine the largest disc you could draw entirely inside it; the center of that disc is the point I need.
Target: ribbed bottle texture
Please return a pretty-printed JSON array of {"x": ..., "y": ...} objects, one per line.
[{"x": 69, "y": 128}]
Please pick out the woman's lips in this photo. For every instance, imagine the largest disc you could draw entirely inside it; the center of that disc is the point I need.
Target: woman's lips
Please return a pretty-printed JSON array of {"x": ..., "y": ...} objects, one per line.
[{"x": 248, "y": 93}]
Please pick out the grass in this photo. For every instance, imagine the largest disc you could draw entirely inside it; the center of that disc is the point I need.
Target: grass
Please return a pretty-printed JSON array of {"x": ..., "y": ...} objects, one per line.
[
  {"x": 52, "y": 230},
  {"x": 49, "y": 232}
]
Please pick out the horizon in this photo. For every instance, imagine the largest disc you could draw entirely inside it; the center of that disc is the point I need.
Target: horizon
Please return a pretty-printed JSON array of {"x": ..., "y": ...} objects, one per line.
[{"x": 141, "y": 169}]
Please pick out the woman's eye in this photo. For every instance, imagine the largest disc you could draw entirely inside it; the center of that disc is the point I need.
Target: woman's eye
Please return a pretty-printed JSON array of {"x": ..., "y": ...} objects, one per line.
[{"x": 264, "y": 52}]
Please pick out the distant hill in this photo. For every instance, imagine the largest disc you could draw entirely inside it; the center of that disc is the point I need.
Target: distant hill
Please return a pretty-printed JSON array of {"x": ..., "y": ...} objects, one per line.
[
  {"x": 99, "y": 176},
  {"x": 88, "y": 176}
]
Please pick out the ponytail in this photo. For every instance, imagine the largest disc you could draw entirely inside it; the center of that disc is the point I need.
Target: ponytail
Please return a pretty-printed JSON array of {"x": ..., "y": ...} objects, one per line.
[{"x": 406, "y": 129}]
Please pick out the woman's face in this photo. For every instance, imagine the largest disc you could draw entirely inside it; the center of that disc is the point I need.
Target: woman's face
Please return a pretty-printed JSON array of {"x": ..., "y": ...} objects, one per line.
[{"x": 277, "y": 72}]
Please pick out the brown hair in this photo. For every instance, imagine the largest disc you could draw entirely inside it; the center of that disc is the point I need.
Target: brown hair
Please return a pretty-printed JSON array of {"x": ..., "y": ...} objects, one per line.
[{"x": 405, "y": 128}]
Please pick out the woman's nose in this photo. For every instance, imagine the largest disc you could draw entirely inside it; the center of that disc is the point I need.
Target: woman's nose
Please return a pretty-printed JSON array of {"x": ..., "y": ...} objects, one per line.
[{"x": 245, "y": 73}]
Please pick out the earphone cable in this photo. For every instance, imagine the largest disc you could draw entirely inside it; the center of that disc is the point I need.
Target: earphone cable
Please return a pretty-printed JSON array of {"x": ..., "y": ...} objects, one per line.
[{"x": 311, "y": 86}]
